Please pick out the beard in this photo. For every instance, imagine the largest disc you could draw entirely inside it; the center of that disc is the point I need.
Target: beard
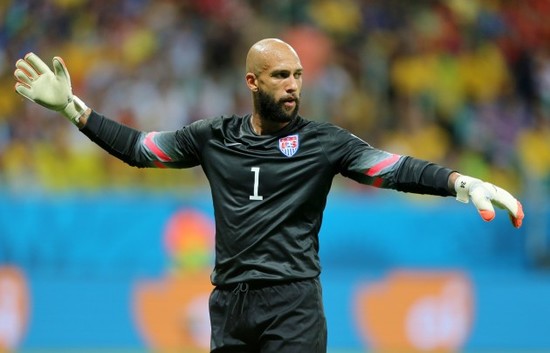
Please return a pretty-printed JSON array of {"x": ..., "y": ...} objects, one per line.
[{"x": 273, "y": 110}]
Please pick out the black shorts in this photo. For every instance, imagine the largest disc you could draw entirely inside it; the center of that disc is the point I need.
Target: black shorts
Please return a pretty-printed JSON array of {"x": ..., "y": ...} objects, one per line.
[{"x": 274, "y": 318}]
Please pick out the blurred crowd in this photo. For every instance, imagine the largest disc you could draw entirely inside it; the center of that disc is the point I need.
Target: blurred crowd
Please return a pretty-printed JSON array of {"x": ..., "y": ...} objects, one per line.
[{"x": 462, "y": 83}]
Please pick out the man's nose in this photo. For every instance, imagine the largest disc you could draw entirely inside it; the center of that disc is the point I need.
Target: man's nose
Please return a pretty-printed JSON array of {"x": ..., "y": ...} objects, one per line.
[{"x": 292, "y": 84}]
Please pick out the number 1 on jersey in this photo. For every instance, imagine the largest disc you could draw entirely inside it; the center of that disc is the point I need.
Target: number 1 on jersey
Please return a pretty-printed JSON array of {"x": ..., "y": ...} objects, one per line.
[{"x": 256, "y": 197}]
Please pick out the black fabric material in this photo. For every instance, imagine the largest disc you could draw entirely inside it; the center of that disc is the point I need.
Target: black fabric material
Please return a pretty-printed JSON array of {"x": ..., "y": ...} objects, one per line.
[
  {"x": 423, "y": 177},
  {"x": 119, "y": 140},
  {"x": 278, "y": 318},
  {"x": 269, "y": 191}
]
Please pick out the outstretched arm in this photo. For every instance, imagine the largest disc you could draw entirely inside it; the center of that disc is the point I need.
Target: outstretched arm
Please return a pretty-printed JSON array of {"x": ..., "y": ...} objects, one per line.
[
  {"x": 418, "y": 176},
  {"x": 415, "y": 175},
  {"x": 52, "y": 89},
  {"x": 382, "y": 169}
]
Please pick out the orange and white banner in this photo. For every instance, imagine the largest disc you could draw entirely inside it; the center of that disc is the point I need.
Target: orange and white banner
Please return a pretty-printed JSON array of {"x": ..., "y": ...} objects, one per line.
[
  {"x": 416, "y": 311},
  {"x": 14, "y": 307}
]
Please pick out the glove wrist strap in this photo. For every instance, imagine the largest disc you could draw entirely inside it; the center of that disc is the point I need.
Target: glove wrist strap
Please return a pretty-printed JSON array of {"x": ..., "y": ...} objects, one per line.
[{"x": 74, "y": 110}]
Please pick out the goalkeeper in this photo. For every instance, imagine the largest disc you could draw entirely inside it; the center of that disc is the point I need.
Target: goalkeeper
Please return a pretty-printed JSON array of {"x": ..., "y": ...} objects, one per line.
[{"x": 270, "y": 173}]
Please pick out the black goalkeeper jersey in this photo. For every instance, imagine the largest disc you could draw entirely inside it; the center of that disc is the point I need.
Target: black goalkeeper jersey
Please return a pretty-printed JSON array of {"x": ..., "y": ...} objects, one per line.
[{"x": 268, "y": 192}]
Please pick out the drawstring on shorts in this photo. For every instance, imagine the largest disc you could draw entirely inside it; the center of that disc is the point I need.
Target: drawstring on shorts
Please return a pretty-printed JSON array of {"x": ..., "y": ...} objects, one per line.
[{"x": 241, "y": 288}]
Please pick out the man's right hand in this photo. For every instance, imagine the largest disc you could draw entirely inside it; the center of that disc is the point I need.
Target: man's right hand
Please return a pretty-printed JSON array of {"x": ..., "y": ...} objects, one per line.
[{"x": 51, "y": 89}]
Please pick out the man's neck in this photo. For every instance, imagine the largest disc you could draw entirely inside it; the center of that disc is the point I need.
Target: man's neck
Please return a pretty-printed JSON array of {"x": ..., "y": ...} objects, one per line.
[{"x": 262, "y": 126}]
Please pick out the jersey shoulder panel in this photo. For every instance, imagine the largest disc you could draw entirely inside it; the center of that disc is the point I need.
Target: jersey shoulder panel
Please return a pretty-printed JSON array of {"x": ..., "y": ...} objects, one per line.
[
  {"x": 201, "y": 131},
  {"x": 337, "y": 142}
]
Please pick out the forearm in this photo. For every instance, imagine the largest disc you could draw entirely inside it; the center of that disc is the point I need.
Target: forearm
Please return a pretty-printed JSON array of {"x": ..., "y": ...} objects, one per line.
[
  {"x": 119, "y": 140},
  {"x": 423, "y": 177}
]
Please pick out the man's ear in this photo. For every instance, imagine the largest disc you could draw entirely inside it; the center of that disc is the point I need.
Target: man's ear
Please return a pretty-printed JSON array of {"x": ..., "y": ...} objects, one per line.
[{"x": 251, "y": 82}]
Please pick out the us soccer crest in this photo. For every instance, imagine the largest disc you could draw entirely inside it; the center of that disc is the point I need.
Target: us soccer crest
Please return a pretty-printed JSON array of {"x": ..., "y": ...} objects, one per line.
[{"x": 289, "y": 145}]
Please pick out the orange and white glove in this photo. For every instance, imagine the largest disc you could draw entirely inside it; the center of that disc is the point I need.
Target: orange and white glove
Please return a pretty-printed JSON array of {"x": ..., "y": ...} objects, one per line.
[
  {"x": 484, "y": 195},
  {"x": 51, "y": 89}
]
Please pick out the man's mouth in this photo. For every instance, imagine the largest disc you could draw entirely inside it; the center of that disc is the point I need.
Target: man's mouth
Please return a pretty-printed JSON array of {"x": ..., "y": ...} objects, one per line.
[{"x": 289, "y": 102}]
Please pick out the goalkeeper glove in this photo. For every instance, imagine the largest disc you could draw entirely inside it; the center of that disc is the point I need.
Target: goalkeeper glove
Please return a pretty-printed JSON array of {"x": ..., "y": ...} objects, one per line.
[
  {"x": 484, "y": 195},
  {"x": 36, "y": 82}
]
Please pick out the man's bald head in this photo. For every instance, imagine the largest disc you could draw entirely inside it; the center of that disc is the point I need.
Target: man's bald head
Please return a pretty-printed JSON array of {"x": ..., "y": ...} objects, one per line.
[
  {"x": 274, "y": 77},
  {"x": 266, "y": 52}
]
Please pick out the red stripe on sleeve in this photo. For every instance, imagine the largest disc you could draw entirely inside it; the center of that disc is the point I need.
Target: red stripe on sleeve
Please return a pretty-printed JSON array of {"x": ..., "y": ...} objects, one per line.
[
  {"x": 159, "y": 164},
  {"x": 383, "y": 164},
  {"x": 378, "y": 182},
  {"x": 149, "y": 143}
]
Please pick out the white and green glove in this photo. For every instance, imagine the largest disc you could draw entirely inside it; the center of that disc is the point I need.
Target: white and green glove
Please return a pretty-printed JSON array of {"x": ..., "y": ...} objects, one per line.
[
  {"x": 51, "y": 89},
  {"x": 484, "y": 195}
]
